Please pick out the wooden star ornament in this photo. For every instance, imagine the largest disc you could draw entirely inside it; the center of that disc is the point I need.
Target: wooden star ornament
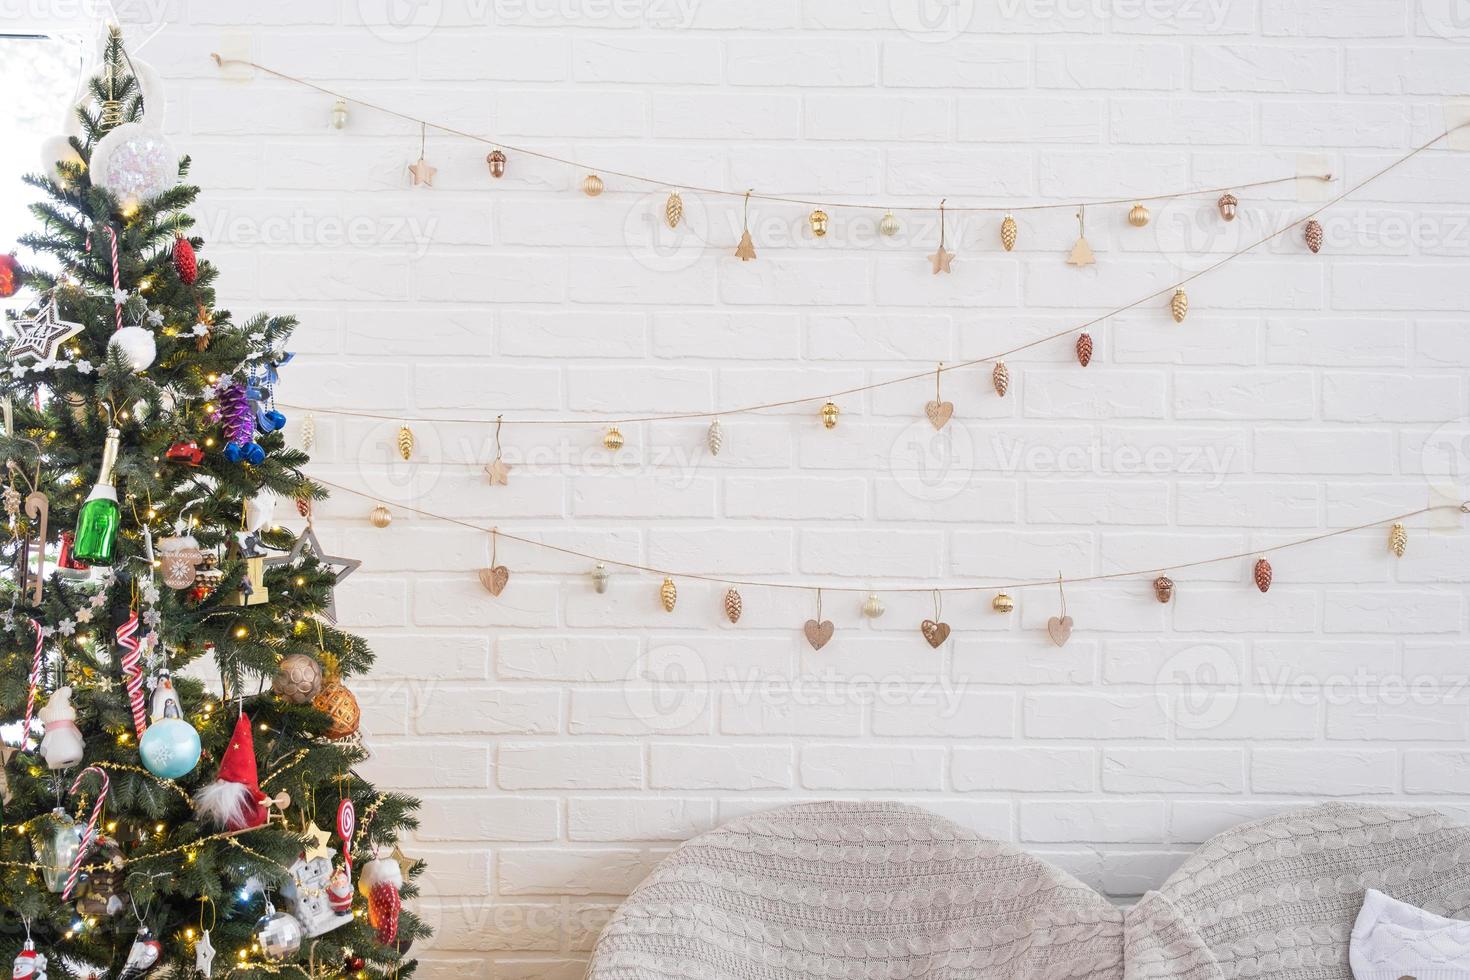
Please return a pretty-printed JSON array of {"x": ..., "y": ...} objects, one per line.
[
  {"x": 499, "y": 472},
  {"x": 422, "y": 173},
  {"x": 940, "y": 260},
  {"x": 41, "y": 336},
  {"x": 318, "y": 841}
]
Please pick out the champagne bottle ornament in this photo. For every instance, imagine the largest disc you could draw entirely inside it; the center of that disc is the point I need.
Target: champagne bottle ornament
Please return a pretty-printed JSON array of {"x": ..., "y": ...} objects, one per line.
[{"x": 100, "y": 517}]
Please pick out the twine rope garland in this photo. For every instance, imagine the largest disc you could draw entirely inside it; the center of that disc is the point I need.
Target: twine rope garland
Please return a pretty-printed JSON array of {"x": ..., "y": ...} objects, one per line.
[{"x": 983, "y": 585}]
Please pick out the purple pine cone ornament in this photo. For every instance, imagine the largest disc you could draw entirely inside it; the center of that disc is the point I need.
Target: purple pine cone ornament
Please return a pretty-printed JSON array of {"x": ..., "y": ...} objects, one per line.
[{"x": 236, "y": 413}]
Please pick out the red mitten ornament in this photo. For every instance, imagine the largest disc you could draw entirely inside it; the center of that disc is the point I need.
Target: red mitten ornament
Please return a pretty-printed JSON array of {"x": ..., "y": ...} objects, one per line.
[
  {"x": 380, "y": 882},
  {"x": 185, "y": 264}
]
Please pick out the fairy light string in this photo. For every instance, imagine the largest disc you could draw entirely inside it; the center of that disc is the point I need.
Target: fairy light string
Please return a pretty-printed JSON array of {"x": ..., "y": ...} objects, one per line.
[{"x": 981, "y": 584}]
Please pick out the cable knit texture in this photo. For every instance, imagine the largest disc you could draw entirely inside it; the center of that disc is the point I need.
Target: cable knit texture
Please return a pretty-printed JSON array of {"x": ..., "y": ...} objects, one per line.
[{"x": 885, "y": 891}]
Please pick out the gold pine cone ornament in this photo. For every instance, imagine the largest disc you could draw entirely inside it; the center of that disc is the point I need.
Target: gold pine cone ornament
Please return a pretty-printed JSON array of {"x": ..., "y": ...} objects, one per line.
[{"x": 668, "y": 594}]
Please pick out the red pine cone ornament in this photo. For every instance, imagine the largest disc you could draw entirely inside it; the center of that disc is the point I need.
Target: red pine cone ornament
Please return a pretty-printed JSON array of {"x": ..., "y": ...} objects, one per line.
[
  {"x": 185, "y": 262},
  {"x": 1263, "y": 574},
  {"x": 380, "y": 882},
  {"x": 9, "y": 276},
  {"x": 1084, "y": 349}
]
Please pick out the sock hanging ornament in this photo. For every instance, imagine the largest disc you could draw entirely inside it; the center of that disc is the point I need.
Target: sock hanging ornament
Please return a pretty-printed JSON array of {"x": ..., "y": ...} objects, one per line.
[{"x": 380, "y": 883}]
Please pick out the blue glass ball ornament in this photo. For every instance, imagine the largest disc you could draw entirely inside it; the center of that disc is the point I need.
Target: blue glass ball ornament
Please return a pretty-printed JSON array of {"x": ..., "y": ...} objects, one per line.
[{"x": 169, "y": 748}]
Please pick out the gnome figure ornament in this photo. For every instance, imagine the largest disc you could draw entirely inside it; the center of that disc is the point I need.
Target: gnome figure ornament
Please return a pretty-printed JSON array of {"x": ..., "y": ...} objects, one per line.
[
  {"x": 62, "y": 745},
  {"x": 234, "y": 801}
]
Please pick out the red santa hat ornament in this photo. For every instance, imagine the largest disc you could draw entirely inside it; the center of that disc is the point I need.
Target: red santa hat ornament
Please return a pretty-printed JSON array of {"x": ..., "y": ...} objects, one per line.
[
  {"x": 234, "y": 801},
  {"x": 380, "y": 881}
]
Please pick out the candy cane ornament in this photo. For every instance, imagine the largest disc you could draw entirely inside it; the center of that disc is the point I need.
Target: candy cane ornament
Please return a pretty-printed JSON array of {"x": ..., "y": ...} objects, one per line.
[
  {"x": 116, "y": 274},
  {"x": 346, "y": 827},
  {"x": 132, "y": 669},
  {"x": 35, "y": 684},
  {"x": 89, "y": 837}
]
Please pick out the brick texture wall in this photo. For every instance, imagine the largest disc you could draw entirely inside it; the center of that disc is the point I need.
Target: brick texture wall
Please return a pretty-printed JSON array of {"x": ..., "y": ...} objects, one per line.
[{"x": 564, "y": 741}]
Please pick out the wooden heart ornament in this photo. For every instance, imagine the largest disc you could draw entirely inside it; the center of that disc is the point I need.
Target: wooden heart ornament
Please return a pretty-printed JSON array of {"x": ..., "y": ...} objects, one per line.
[
  {"x": 817, "y": 634},
  {"x": 1059, "y": 628},
  {"x": 494, "y": 579},
  {"x": 934, "y": 632},
  {"x": 939, "y": 413}
]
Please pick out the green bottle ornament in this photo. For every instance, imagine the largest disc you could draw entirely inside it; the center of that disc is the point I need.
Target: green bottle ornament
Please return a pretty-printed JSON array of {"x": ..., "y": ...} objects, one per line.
[{"x": 98, "y": 520}]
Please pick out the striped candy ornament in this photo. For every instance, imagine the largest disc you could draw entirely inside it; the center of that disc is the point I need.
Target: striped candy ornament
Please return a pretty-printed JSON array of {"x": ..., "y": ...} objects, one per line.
[
  {"x": 89, "y": 838},
  {"x": 116, "y": 273},
  {"x": 35, "y": 684},
  {"x": 132, "y": 668}
]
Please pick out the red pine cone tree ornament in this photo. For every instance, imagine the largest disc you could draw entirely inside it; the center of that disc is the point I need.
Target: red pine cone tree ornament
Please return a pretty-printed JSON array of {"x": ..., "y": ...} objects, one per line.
[
  {"x": 1263, "y": 574},
  {"x": 9, "y": 276},
  {"x": 186, "y": 264},
  {"x": 1084, "y": 349}
]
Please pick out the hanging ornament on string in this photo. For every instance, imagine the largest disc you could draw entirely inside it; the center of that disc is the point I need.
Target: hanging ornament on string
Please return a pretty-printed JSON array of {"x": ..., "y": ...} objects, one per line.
[
  {"x": 298, "y": 678},
  {"x": 941, "y": 259},
  {"x": 61, "y": 746},
  {"x": 612, "y": 439},
  {"x": 1228, "y": 205},
  {"x": 497, "y": 471},
  {"x": 337, "y": 119},
  {"x": 40, "y": 336},
  {"x": 830, "y": 412},
  {"x": 734, "y": 605},
  {"x": 1398, "y": 540},
  {"x": 58, "y": 846},
  {"x": 137, "y": 346},
  {"x": 592, "y": 185},
  {"x": 935, "y": 630},
  {"x": 236, "y": 414},
  {"x": 143, "y": 955},
  {"x": 421, "y": 172},
  {"x": 233, "y": 800},
  {"x": 1008, "y": 232},
  {"x": 186, "y": 264},
  {"x": 170, "y": 747},
  {"x": 1081, "y": 254},
  {"x": 715, "y": 438},
  {"x": 888, "y": 226},
  {"x": 497, "y": 576},
  {"x": 673, "y": 209},
  {"x": 818, "y": 221},
  {"x": 1000, "y": 378},
  {"x": 1179, "y": 305},
  {"x": 1262, "y": 574},
  {"x": 600, "y": 578},
  {"x": 1312, "y": 234},
  {"x": 873, "y": 606},
  {"x": 1059, "y": 628},
  {"x": 668, "y": 594},
  {"x": 381, "y": 883},
  {"x": 937, "y": 410},
  {"x": 178, "y": 560},
  {"x": 1002, "y": 603},
  {"x": 1084, "y": 349},
  {"x": 404, "y": 442},
  {"x": 309, "y": 891},
  {"x": 134, "y": 163},
  {"x": 380, "y": 516},
  {"x": 308, "y": 430},
  {"x": 29, "y": 964},
  {"x": 495, "y": 160},
  {"x": 277, "y": 934},
  {"x": 1138, "y": 215},
  {"x": 818, "y": 631},
  {"x": 745, "y": 251},
  {"x": 1163, "y": 588},
  {"x": 204, "y": 955}
]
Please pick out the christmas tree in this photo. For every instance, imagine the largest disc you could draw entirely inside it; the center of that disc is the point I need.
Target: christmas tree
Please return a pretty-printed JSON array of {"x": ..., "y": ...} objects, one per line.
[{"x": 158, "y": 819}]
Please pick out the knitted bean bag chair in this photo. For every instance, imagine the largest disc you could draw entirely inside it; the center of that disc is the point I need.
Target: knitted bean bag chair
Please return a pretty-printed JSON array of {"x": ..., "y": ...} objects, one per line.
[{"x": 866, "y": 891}]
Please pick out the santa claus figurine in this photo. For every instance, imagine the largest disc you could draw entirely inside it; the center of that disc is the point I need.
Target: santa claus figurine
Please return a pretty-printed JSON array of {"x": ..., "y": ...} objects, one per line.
[
  {"x": 234, "y": 801},
  {"x": 339, "y": 891},
  {"x": 29, "y": 964}
]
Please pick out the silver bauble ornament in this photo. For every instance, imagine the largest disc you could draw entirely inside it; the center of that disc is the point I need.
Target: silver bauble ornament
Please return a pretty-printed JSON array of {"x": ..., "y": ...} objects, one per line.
[{"x": 278, "y": 934}]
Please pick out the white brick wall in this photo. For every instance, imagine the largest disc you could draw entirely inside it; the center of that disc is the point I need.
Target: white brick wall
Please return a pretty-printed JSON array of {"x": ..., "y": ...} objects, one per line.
[{"x": 563, "y": 741}]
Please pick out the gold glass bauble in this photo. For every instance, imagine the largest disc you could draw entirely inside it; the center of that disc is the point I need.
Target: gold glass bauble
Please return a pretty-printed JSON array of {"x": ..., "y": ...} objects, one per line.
[
  {"x": 341, "y": 706},
  {"x": 1002, "y": 603}
]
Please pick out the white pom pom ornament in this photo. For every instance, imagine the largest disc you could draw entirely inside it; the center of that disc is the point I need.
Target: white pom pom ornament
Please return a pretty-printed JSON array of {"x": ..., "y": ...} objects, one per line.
[
  {"x": 136, "y": 345},
  {"x": 134, "y": 163},
  {"x": 54, "y": 150}
]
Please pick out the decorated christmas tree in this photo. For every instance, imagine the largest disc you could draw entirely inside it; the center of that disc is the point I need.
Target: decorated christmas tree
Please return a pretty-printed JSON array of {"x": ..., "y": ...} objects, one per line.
[{"x": 179, "y": 790}]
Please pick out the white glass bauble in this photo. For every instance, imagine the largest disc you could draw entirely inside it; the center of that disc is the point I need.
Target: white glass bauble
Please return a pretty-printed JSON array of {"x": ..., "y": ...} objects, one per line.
[{"x": 134, "y": 163}]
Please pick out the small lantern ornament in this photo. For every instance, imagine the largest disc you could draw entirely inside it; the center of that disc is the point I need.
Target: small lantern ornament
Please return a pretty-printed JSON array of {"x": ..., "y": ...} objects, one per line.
[
  {"x": 1179, "y": 306},
  {"x": 668, "y": 594},
  {"x": 592, "y": 185},
  {"x": 819, "y": 223},
  {"x": 380, "y": 516},
  {"x": 1262, "y": 574},
  {"x": 1084, "y": 349},
  {"x": 1002, "y": 603},
  {"x": 1228, "y": 205},
  {"x": 830, "y": 411},
  {"x": 495, "y": 160},
  {"x": 1163, "y": 588},
  {"x": 599, "y": 578},
  {"x": 1138, "y": 215},
  {"x": 1313, "y": 235}
]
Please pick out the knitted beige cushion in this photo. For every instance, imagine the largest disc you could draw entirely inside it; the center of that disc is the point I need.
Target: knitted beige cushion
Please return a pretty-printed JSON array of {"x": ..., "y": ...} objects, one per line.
[
  {"x": 868, "y": 891},
  {"x": 1277, "y": 898}
]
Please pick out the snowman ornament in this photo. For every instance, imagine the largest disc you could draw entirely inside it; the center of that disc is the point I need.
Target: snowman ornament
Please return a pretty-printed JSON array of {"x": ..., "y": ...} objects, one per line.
[{"x": 29, "y": 964}]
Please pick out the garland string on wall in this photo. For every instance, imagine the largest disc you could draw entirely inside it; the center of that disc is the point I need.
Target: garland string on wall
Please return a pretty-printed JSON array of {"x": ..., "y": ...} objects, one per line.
[{"x": 1059, "y": 628}]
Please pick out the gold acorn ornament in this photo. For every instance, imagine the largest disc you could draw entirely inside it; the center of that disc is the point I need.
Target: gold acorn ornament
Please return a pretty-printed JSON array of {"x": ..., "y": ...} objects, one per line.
[
  {"x": 668, "y": 594},
  {"x": 888, "y": 226},
  {"x": 495, "y": 160},
  {"x": 734, "y": 605},
  {"x": 1313, "y": 235},
  {"x": 1002, "y": 603},
  {"x": 1084, "y": 348},
  {"x": 818, "y": 221},
  {"x": 1179, "y": 306},
  {"x": 380, "y": 516},
  {"x": 1163, "y": 588},
  {"x": 1138, "y": 215},
  {"x": 830, "y": 411},
  {"x": 745, "y": 251},
  {"x": 612, "y": 439},
  {"x": 592, "y": 185},
  {"x": 599, "y": 578},
  {"x": 1228, "y": 205},
  {"x": 673, "y": 210},
  {"x": 405, "y": 442},
  {"x": 1262, "y": 574},
  {"x": 1008, "y": 232},
  {"x": 715, "y": 438},
  {"x": 873, "y": 606},
  {"x": 1000, "y": 377},
  {"x": 1398, "y": 540}
]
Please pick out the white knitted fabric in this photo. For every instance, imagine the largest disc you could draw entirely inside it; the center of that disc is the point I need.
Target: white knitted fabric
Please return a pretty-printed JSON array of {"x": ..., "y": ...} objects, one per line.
[
  {"x": 883, "y": 891},
  {"x": 1393, "y": 939}
]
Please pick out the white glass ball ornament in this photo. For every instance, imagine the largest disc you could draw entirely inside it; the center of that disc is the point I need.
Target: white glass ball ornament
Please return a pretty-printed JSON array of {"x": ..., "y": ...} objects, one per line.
[
  {"x": 135, "y": 163},
  {"x": 54, "y": 150},
  {"x": 137, "y": 346},
  {"x": 278, "y": 934}
]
